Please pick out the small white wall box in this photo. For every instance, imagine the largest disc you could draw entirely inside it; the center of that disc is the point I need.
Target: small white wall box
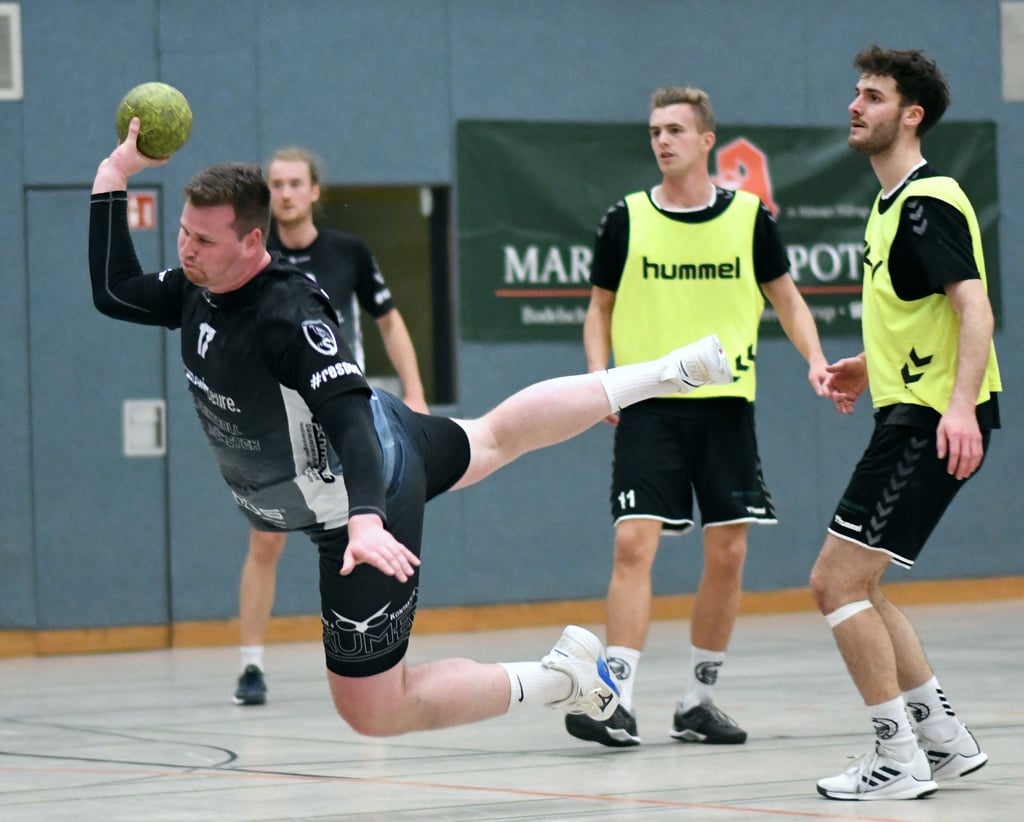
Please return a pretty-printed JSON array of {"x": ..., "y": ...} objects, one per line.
[
  {"x": 1011, "y": 30},
  {"x": 145, "y": 428},
  {"x": 10, "y": 51}
]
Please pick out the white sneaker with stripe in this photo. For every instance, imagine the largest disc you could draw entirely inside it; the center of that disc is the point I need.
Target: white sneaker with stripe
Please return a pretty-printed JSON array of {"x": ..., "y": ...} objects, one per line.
[{"x": 878, "y": 776}]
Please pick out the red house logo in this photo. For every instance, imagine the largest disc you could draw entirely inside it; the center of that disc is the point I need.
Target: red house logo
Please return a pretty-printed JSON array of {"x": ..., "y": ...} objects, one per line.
[{"x": 743, "y": 166}]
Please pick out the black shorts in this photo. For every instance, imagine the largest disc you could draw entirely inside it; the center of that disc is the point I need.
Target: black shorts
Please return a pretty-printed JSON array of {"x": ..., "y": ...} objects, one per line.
[
  {"x": 668, "y": 450},
  {"x": 899, "y": 489},
  {"x": 367, "y": 615}
]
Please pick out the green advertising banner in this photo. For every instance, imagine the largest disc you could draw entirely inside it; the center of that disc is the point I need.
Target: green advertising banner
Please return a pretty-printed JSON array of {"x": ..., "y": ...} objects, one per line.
[{"x": 530, "y": 197}]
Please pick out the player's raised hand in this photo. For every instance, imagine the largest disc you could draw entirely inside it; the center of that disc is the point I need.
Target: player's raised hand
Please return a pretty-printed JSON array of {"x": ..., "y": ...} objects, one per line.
[{"x": 124, "y": 161}]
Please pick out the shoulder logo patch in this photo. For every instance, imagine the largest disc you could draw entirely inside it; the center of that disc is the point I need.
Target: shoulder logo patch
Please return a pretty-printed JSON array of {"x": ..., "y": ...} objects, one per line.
[{"x": 320, "y": 337}]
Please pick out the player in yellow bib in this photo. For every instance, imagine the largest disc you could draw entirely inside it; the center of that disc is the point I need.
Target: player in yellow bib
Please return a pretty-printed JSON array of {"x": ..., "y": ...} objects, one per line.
[
  {"x": 684, "y": 260},
  {"x": 934, "y": 382}
]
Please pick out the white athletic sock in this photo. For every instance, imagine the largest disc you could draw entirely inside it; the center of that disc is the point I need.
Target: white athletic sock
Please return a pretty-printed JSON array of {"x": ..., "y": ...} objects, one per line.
[
  {"x": 623, "y": 662},
  {"x": 892, "y": 728},
  {"x": 533, "y": 684},
  {"x": 251, "y": 655},
  {"x": 703, "y": 675},
  {"x": 628, "y": 384},
  {"x": 929, "y": 708}
]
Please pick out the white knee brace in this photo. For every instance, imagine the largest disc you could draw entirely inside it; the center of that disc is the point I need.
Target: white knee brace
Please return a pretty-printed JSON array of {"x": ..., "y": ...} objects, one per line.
[{"x": 844, "y": 612}]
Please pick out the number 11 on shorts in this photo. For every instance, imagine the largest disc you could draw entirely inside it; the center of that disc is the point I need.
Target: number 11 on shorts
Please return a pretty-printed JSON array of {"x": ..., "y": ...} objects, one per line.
[{"x": 627, "y": 499}]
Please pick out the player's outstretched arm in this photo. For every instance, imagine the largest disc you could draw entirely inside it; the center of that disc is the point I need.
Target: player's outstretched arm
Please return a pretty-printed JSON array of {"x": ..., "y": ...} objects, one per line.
[{"x": 118, "y": 288}]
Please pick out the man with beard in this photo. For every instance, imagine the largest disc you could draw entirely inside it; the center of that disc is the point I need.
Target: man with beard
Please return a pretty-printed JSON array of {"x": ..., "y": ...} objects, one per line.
[{"x": 927, "y": 327}]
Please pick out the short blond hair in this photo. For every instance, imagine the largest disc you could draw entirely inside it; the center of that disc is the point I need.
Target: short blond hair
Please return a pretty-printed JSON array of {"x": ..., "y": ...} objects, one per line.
[{"x": 673, "y": 95}]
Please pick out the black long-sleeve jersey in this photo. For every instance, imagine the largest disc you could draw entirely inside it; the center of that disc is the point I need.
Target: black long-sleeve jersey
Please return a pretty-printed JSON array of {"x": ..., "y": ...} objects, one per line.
[
  {"x": 343, "y": 266},
  {"x": 278, "y": 394}
]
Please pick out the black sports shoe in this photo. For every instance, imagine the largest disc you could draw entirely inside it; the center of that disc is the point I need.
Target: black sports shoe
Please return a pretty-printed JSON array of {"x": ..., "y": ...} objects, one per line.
[
  {"x": 617, "y": 731},
  {"x": 252, "y": 690},
  {"x": 706, "y": 723}
]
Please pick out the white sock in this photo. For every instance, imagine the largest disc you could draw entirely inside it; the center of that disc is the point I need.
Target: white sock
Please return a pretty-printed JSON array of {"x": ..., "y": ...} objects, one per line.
[
  {"x": 533, "y": 684},
  {"x": 704, "y": 667},
  {"x": 930, "y": 709},
  {"x": 628, "y": 384},
  {"x": 251, "y": 655},
  {"x": 892, "y": 728},
  {"x": 623, "y": 662}
]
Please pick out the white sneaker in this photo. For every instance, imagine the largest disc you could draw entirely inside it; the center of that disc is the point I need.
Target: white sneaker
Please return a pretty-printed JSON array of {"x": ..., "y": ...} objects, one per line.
[
  {"x": 877, "y": 776},
  {"x": 580, "y": 655},
  {"x": 958, "y": 757},
  {"x": 700, "y": 363}
]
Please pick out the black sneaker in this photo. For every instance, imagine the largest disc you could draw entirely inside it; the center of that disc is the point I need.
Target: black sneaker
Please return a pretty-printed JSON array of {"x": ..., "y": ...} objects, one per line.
[
  {"x": 252, "y": 690},
  {"x": 706, "y": 723},
  {"x": 618, "y": 731}
]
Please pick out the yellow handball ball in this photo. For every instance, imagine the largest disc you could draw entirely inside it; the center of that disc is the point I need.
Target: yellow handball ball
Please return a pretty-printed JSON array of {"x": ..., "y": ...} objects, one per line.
[{"x": 165, "y": 119}]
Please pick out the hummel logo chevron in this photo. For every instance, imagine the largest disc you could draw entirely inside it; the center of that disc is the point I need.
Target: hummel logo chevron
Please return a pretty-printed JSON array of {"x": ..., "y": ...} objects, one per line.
[
  {"x": 915, "y": 211},
  {"x": 918, "y": 362},
  {"x": 907, "y": 376},
  {"x": 898, "y": 481},
  {"x": 742, "y": 365}
]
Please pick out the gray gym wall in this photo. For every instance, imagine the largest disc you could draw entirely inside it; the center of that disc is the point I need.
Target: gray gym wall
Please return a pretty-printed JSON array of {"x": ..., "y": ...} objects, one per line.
[{"x": 91, "y": 538}]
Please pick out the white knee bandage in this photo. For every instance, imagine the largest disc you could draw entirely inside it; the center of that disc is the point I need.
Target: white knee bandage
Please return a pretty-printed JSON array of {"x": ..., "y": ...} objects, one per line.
[{"x": 844, "y": 612}]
